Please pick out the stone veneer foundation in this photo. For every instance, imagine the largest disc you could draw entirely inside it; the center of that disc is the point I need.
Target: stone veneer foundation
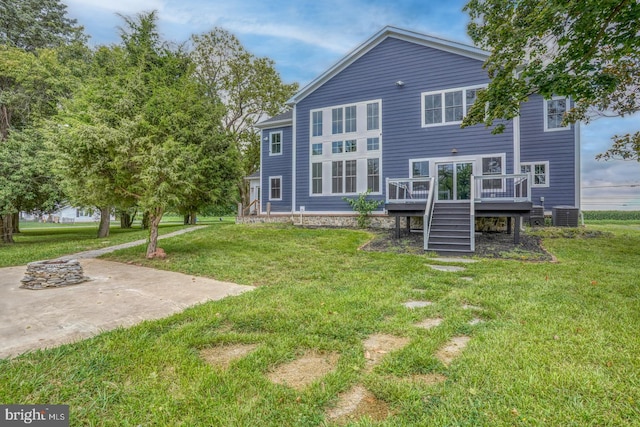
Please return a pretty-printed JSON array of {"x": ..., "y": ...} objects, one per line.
[
  {"x": 349, "y": 221},
  {"x": 53, "y": 274}
]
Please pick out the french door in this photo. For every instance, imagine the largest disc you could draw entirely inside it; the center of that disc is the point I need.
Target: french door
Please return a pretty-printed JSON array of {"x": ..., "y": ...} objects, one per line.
[{"x": 454, "y": 180}]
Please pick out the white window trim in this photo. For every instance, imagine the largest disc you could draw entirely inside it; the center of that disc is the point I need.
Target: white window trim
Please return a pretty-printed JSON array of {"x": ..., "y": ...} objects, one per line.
[
  {"x": 271, "y": 143},
  {"x": 547, "y": 175},
  {"x": 545, "y": 114},
  {"x": 412, "y": 161},
  {"x": 281, "y": 189},
  {"x": 443, "y": 106}
]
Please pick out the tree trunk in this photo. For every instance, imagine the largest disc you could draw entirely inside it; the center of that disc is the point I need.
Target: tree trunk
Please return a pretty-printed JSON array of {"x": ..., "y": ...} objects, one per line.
[
  {"x": 192, "y": 218},
  {"x": 186, "y": 219},
  {"x": 145, "y": 220},
  {"x": 16, "y": 223},
  {"x": 103, "y": 229},
  {"x": 155, "y": 217},
  {"x": 6, "y": 228},
  {"x": 126, "y": 219}
]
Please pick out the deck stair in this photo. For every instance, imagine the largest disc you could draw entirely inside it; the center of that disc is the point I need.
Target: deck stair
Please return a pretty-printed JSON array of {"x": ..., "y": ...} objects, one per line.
[{"x": 450, "y": 228}]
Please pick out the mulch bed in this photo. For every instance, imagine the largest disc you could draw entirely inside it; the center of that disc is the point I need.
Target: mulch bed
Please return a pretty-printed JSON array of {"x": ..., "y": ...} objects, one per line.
[{"x": 488, "y": 245}]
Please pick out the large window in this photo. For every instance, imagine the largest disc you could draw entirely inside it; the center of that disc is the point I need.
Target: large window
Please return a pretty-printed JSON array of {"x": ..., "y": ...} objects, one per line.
[
  {"x": 539, "y": 172},
  {"x": 447, "y": 106},
  {"x": 373, "y": 175},
  {"x": 373, "y": 116},
  {"x": 316, "y": 178},
  {"x": 275, "y": 148},
  {"x": 316, "y": 123},
  {"x": 336, "y": 121},
  {"x": 275, "y": 188},
  {"x": 350, "y": 176},
  {"x": 554, "y": 111}
]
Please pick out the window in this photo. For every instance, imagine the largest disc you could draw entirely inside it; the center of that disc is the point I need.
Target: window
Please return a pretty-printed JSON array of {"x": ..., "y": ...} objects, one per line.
[
  {"x": 316, "y": 178},
  {"x": 492, "y": 166},
  {"x": 555, "y": 110},
  {"x": 336, "y": 120},
  {"x": 373, "y": 144},
  {"x": 453, "y": 110},
  {"x": 350, "y": 146},
  {"x": 276, "y": 143},
  {"x": 275, "y": 188},
  {"x": 316, "y": 149},
  {"x": 350, "y": 176},
  {"x": 373, "y": 175},
  {"x": 350, "y": 122},
  {"x": 336, "y": 177},
  {"x": 373, "y": 116},
  {"x": 539, "y": 173},
  {"x": 447, "y": 107},
  {"x": 432, "y": 109},
  {"x": 420, "y": 169},
  {"x": 316, "y": 123},
  {"x": 337, "y": 147}
]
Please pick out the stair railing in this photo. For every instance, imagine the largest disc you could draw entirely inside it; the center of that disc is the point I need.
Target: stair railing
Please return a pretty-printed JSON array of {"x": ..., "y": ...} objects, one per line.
[
  {"x": 428, "y": 213},
  {"x": 472, "y": 215}
]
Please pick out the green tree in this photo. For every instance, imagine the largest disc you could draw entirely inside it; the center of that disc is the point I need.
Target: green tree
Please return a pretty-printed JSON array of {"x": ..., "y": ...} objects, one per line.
[
  {"x": 142, "y": 130},
  {"x": 588, "y": 50},
  {"x": 248, "y": 87}
]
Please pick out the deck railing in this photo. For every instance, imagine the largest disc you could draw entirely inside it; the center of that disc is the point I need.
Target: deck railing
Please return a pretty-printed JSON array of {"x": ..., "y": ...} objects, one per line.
[
  {"x": 408, "y": 190},
  {"x": 502, "y": 188}
]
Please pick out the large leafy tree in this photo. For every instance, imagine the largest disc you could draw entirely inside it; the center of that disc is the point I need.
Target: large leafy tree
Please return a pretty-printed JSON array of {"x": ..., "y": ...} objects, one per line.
[
  {"x": 143, "y": 130},
  {"x": 588, "y": 50},
  {"x": 248, "y": 87}
]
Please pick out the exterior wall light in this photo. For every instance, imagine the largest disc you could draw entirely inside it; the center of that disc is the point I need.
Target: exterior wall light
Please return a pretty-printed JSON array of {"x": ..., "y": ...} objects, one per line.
[{"x": 399, "y": 83}]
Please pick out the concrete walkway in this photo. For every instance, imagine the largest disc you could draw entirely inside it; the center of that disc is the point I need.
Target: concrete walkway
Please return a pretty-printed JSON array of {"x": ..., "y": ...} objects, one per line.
[{"x": 117, "y": 295}]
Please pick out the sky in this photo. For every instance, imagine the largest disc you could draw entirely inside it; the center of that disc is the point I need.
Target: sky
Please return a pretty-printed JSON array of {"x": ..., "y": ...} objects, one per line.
[{"x": 305, "y": 38}]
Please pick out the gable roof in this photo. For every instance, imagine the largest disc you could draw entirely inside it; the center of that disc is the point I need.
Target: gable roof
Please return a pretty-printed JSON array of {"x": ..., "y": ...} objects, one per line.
[
  {"x": 282, "y": 119},
  {"x": 398, "y": 33}
]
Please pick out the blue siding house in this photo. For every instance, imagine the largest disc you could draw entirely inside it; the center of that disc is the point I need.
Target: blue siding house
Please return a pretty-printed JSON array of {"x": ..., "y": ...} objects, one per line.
[{"x": 386, "y": 119}]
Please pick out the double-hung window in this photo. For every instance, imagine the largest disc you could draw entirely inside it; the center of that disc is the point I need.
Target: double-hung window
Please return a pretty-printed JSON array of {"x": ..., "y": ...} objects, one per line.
[
  {"x": 350, "y": 119},
  {"x": 373, "y": 175},
  {"x": 420, "y": 169},
  {"x": 316, "y": 123},
  {"x": 336, "y": 121},
  {"x": 275, "y": 146},
  {"x": 539, "y": 172},
  {"x": 554, "y": 111},
  {"x": 373, "y": 116},
  {"x": 316, "y": 178},
  {"x": 492, "y": 166},
  {"x": 337, "y": 171},
  {"x": 275, "y": 188}
]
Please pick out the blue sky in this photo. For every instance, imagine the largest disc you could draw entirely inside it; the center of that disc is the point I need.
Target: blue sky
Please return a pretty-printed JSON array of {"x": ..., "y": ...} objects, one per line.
[{"x": 305, "y": 38}]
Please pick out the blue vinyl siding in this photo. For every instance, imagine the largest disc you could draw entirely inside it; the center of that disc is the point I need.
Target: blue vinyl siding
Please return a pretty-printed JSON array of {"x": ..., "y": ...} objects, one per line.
[
  {"x": 557, "y": 147},
  {"x": 280, "y": 165},
  {"x": 373, "y": 76}
]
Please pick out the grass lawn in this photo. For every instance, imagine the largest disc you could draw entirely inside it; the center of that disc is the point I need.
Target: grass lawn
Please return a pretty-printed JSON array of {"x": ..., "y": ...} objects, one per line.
[{"x": 557, "y": 346}]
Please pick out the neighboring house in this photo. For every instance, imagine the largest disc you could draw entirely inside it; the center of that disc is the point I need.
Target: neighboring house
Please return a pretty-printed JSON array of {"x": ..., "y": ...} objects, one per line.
[
  {"x": 68, "y": 214},
  {"x": 386, "y": 119}
]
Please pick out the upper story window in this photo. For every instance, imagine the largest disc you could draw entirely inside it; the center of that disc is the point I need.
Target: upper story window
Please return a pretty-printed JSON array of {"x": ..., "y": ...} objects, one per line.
[
  {"x": 337, "y": 147},
  {"x": 350, "y": 119},
  {"x": 316, "y": 149},
  {"x": 350, "y": 146},
  {"x": 373, "y": 144},
  {"x": 447, "y": 106},
  {"x": 316, "y": 123},
  {"x": 373, "y": 116},
  {"x": 554, "y": 111},
  {"x": 336, "y": 120},
  {"x": 275, "y": 146}
]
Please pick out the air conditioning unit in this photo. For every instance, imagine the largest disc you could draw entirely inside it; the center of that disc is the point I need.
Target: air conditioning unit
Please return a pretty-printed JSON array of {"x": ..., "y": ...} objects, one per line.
[
  {"x": 536, "y": 217},
  {"x": 565, "y": 216}
]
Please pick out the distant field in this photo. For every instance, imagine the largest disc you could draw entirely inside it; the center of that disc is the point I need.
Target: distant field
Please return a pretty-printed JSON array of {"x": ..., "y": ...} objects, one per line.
[{"x": 612, "y": 215}]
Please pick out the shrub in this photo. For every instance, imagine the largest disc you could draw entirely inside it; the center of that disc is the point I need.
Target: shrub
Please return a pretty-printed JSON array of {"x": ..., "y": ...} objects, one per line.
[{"x": 363, "y": 207}]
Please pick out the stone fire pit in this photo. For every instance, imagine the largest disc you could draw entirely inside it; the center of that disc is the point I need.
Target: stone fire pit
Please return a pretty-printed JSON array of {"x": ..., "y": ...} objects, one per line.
[{"x": 53, "y": 274}]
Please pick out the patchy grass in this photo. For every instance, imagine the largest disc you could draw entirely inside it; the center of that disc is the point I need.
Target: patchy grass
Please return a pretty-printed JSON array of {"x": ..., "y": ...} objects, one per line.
[{"x": 557, "y": 344}]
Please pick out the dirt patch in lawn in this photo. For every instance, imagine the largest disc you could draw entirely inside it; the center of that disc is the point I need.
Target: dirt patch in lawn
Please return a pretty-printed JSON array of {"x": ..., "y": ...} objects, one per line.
[
  {"x": 301, "y": 372},
  {"x": 429, "y": 323},
  {"x": 488, "y": 245},
  {"x": 358, "y": 403},
  {"x": 222, "y": 356},
  {"x": 378, "y": 345},
  {"x": 452, "y": 349}
]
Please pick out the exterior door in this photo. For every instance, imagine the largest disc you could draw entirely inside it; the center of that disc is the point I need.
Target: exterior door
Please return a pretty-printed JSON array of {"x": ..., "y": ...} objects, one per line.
[{"x": 454, "y": 180}]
